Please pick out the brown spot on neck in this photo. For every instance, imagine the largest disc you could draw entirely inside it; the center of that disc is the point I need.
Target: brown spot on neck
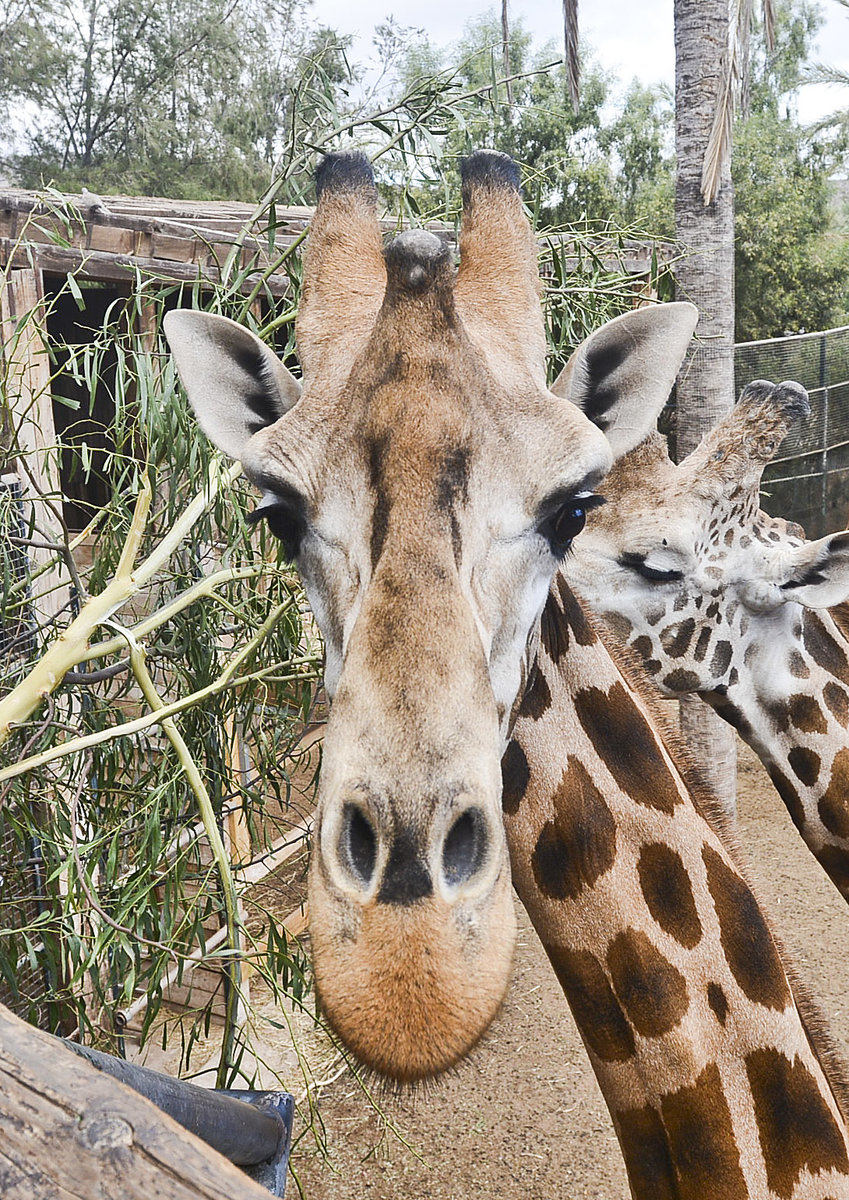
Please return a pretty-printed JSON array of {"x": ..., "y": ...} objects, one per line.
[
  {"x": 718, "y": 1002},
  {"x": 796, "y": 1128},
  {"x": 579, "y": 845},
  {"x": 805, "y": 764},
  {"x": 597, "y": 1012},
  {"x": 628, "y": 746},
  {"x": 537, "y": 698},
  {"x": 834, "y": 803},
  {"x": 668, "y": 893},
  {"x": 806, "y": 714},
  {"x": 553, "y": 630},
  {"x": 789, "y": 793},
  {"x": 574, "y": 615},
  {"x": 799, "y": 669},
  {"x": 702, "y": 1143},
  {"x": 834, "y": 860},
  {"x": 749, "y": 948},
  {"x": 822, "y": 646},
  {"x": 651, "y": 990},
  {"x": 645, "y": 1149},
  {"x": 515, "y": 777},
  {"x": 837, "y": 699}
]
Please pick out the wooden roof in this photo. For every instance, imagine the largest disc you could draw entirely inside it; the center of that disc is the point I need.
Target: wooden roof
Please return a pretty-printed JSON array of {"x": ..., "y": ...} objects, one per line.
[
  {"x": 180, "y": 240},
  {"x": 170, "y": 239}
]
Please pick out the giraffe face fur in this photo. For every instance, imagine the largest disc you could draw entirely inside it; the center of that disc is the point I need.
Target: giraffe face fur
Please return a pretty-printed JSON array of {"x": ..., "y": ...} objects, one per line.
[{"x": 427, "y": 485}]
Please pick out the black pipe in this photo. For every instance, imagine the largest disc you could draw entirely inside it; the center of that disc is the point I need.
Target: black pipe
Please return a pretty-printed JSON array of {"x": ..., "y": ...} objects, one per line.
[{"x": 238, "y": 1130}]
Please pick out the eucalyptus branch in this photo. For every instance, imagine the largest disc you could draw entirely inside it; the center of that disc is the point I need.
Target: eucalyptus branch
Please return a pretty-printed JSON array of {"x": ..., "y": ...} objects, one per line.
[
  {"x": 205, "y": 587},
  {"x": 207, "y": 814},
  {"x": 225, "y": 679},
  {"x": 70, "y": 647}
]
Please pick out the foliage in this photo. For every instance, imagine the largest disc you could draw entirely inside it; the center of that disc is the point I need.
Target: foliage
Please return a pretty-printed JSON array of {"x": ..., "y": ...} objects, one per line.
[
  {"x": 581, "y": 166},
  {"x": 792, "y": 266},
  {"x": 177, "y": 607},
  {"x": 179, "y": 99}
]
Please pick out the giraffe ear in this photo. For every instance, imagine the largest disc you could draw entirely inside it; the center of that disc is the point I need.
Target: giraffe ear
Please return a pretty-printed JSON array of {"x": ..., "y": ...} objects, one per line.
[
  {"x": 816, "y": 574},
  {"x": 622, "y": 374},
  {"x": 234, "y": 382}
]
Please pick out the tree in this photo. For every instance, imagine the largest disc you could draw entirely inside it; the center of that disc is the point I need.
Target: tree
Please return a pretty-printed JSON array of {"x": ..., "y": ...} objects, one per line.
[
  {"x": 704, "y": 225},
  {"x": 638, "y": 139},
  {"x": 791, "y": 262},
  {"x": 185, "y": 98},
  {"x": 580, "y": 167}
]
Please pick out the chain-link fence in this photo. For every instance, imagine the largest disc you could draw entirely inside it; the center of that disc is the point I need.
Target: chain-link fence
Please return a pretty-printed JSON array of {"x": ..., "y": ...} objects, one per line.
[{"x": 808, "y": 481}]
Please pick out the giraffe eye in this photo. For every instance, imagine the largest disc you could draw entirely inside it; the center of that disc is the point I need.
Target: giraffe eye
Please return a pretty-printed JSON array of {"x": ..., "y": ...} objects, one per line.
[
  {"x": 637, "y": 563},
  {"x": 286, "y": 519},
  {"x": 567, "y": 521}
]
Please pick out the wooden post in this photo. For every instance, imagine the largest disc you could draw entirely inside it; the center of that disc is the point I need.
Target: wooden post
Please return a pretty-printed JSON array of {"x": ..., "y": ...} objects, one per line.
[{"x": 29, "y": 411}]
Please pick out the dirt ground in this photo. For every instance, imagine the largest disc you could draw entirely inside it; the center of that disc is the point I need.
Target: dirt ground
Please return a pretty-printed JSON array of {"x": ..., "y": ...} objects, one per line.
[{"x": 525, "y": 1117}]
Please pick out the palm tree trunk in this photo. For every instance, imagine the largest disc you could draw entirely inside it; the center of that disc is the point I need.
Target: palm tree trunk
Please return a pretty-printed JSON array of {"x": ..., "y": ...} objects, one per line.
[{"x": 705, "y": 275}]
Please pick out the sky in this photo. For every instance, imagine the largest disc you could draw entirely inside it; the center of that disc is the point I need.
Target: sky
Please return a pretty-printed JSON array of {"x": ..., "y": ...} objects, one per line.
[{"x": 631, "y": 38}]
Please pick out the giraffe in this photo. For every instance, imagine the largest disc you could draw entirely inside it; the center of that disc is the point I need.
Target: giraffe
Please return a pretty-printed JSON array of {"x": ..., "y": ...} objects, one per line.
[
  {"x": 711, "y": 1058},
  {"x": 428, "y": 485},
  {"x": 718, "y": 598}
]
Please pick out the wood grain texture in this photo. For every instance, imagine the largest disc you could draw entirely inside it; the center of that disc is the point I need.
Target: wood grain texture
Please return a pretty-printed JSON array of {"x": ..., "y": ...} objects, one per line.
[{"x": 69, "y": 1132}]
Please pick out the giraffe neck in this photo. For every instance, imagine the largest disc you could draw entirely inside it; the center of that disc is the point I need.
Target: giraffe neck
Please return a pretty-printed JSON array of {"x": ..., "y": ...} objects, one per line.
[
  {"x": 793, "y": 710},
  {"x": 715, "y": 1081}
]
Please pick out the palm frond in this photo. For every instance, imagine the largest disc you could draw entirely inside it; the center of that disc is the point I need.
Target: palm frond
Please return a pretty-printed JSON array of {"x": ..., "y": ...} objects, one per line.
[
  {"x": 733, "y": 88},
  {"x": 822, "y": 73},
  {"x": 719, "y": 143},
  {"x": 570, "y": 39}
]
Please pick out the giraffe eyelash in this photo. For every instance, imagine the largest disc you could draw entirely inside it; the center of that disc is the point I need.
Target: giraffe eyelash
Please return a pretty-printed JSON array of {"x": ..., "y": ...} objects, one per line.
[{"x": 637, "y": 562}]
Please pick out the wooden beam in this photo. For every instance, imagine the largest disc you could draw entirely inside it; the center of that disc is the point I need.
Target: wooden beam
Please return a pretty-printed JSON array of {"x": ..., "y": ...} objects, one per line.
[
  {"x": 98, "y": 264},
  {"x": 72, "y": 1133}
]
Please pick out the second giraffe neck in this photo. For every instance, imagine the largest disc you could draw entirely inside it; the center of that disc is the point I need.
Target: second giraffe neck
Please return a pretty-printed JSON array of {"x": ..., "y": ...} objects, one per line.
[
  {"x": 706, "y": 1062},
  {"x": 795, "y": 716}
]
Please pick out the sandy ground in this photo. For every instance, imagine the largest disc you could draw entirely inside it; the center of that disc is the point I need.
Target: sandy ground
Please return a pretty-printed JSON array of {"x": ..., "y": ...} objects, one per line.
[{"x": 525, "y": 1117}]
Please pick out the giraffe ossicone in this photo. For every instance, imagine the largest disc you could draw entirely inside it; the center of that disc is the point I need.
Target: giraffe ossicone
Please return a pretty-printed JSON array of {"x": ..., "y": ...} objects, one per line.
[{"x": 427, "y": 483}]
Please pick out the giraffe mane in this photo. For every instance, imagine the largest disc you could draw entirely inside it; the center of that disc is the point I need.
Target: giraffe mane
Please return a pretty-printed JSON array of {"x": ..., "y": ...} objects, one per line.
[
  {"x": 814, "y": 1023},
  {"x": 840, "y": 616}
]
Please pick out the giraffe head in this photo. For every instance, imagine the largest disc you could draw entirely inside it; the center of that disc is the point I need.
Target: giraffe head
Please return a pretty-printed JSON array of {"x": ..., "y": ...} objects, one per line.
[
  {"x": 688, "y": 569},
  {"x": 427, "y": 484}
]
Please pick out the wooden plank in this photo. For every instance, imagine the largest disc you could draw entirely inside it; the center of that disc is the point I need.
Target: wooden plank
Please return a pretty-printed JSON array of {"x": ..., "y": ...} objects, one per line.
[
  {"x": 110, "y": 240},
  {"x": 174, "y": 247},
  {"x": 97, "y": 264},
  {"x": 72, "y": 1133}
]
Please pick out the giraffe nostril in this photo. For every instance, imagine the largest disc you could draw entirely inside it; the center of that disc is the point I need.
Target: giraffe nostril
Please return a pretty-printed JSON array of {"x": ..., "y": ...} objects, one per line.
[
  {"x": 358, "y": 844},
  {"x": 464, "y": 849}
]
